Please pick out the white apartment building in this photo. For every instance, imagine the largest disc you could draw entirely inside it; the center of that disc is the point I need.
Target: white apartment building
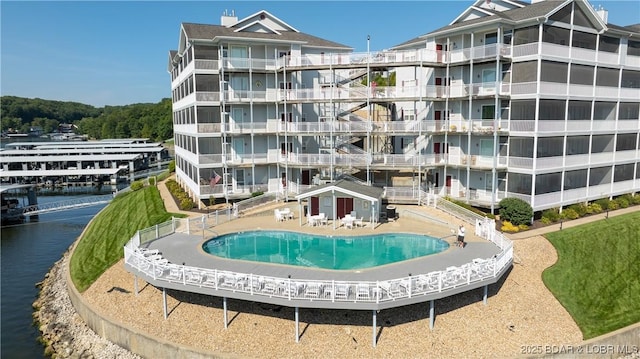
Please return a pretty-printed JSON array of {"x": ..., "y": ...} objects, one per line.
[{"x": 539, "y": 101}]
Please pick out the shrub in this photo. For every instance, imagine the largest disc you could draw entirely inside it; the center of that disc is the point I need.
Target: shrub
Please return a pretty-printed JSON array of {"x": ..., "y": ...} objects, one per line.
[
  {"x": 546, "y": 221},
  {"x": 613, "y": 205},
  {"x": 551, "y": 215},
  {"x": 580, "y": 209},
  {"x": 516, "y": 211},
  {"x": 635, "y": 199},
  {"x": 523, "y": 227},
  {"x": 152, "y": 181},
  {"x": 569, "y": 214},
  {"x": 137, "y": 185},
  {"x": 186, "y": 204},
  {"x": 172, "y": 166},
  {"x": 594, "y": 208},
  {"x": 256, "y": 194},
  {"x": 622, "y": 202},
  {"x": 509, "y": 227},
  {"x": 603, "y": 203}
]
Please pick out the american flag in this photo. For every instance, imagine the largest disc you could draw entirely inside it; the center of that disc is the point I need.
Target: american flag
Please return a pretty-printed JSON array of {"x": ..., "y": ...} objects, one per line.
[{"x": 215, "y": 178}]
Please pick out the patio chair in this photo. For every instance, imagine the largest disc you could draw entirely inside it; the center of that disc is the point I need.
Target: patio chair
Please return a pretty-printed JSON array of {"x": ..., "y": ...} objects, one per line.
[
  {"x": 312, "y": 290},
  {"x": 209, "y": 278},
  {"x": 175, "y": 272},
  {"x": 279, "y": 216},
  {"x": 363, "y": 292},
  {"x": 324, "y": 220},
  {"x": 342, "y": 291},
  {"x": 228, "y": 280},
  {"x": 269, "y": 286},
  {"x": 193, "y": 276}
]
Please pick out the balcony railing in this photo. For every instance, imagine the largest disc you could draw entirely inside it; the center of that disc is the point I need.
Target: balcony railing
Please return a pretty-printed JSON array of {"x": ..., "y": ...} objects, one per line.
[{"x": 207, "y": 64}]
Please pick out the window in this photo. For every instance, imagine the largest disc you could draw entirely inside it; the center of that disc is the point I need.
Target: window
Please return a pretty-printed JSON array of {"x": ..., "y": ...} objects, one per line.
[
  {"x": 488, "y": 112},
  {"x": 548, "y": 183},
  {"x": 602, "y": 143},
  {"x": 555, "y": 35},
  {"x": 633, "y": 48},
  {"x": 521, "y": 147},
  {"x": 575, "y": 179},
  {"x": 519, "y": 183},
  {"x": 630, "y": 79},
  {"x": 607, "y": 77},
  {"x": 550, "y": 146},
  {"x": 525, "y": 71},
  {"x": 553, "y": 72},
  {"x": 562, "y": 15},
  {"x": 577, "y": 145},
  {"x": 525, "y": 35},
  {"x": 581, "y": 74},
  {"x": 580, "y": 19},
  {"x": 604, "y": 111},
  {"x": 623, "y": 172},
  {"x": 609, "y": 44},
  {"x": 579, "y": 110},
  {"x": 584, "y": 40},
  {"x": 626, "y": 142},
  {"x": 491, "y": 38},
  {"x": 486, "y": 148},
  {"x": 600, "y": 175},
  {"x": 488, "y": 75},
  {"x": 629, "y": 111},
  {"x": 523, "y": 110},
  {"x": 552, "y": 110},
  {"x": 507, "y": 37}
]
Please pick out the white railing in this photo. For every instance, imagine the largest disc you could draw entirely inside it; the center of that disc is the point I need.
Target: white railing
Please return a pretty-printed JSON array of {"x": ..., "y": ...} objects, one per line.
[{"x": 312, "y": 290}]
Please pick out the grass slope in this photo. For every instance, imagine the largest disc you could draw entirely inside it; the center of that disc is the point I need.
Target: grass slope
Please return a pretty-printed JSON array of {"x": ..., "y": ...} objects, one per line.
[
  {"x": 102, "y": 243},
  {"x": 597, "y": 276}
]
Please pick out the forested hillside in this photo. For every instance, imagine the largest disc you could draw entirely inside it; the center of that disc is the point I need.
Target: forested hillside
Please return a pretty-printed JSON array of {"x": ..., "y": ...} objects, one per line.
[{"x": 147, "y": 120}]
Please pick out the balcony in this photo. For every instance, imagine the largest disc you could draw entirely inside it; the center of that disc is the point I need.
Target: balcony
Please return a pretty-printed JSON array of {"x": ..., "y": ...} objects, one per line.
[
  {"x": 576, "y": 53},
  {"x": 211, "y": 65},
  {"x": 245, "y": 64}
]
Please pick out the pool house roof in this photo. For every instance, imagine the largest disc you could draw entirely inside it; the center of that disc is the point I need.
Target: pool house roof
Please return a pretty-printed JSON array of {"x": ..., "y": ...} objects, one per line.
[{"x": 369, "y": 193}]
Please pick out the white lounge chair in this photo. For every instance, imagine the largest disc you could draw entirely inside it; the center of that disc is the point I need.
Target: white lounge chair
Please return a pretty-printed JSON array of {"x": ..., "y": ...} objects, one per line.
[{"x": 363, "y": 292}]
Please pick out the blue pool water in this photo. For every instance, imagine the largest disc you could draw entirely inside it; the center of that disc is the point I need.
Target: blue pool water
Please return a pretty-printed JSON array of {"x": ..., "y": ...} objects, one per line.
[{"x": 308, "y": 250}]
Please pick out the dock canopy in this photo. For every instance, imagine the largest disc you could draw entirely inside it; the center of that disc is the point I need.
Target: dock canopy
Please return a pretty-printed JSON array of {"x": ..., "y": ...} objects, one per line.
[{"x": 341, "y": 198}]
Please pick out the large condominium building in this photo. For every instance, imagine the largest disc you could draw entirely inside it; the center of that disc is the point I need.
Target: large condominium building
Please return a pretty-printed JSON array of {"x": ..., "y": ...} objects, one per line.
[{"x": 539, "y": 101}]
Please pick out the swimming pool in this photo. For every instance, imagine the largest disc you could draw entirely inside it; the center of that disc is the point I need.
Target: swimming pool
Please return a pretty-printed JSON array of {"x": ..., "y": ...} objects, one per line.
[{"x": 308, "y": 250}]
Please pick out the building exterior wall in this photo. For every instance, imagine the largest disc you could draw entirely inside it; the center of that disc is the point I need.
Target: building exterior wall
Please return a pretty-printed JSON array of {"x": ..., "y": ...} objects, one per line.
[{"x": 547, "y": 111}]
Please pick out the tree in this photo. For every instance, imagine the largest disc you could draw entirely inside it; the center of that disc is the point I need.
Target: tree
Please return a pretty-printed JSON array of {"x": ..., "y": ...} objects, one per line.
[{"x": 515, "y": 211}]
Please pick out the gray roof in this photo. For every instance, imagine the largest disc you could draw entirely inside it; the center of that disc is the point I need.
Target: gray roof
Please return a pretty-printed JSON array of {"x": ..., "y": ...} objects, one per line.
[
  {"x": 208, "y": 32},
  {"x": 347, "y": 186},
  {"x": 632, "y": 28},
  {"x": 530, "y": 11}
]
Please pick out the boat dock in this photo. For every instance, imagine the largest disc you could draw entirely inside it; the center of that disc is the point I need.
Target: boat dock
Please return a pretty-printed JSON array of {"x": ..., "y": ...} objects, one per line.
[{"x": 80, "y": 162}]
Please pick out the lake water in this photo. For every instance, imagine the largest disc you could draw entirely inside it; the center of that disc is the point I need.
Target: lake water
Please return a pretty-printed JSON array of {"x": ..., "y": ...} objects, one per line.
[{"x": 28, "y": 251}]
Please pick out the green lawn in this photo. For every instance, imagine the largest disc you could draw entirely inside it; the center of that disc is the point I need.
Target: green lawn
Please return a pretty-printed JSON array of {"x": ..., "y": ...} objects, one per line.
[
  {"x": 597, "y": 276},
  {"x": 102, "y": 243}
]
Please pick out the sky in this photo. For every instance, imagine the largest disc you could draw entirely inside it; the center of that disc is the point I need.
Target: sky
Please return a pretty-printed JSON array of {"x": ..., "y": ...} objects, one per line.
[{"x": 116, "y": 52}]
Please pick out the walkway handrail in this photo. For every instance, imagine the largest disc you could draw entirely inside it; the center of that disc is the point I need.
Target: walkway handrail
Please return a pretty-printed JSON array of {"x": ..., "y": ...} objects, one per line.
[
  {"x": 67, "y": 204},
  {"x": 315, "y": 290}
]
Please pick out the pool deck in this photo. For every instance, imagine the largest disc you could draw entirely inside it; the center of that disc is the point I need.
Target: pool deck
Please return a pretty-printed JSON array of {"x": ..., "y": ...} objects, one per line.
[{"x": 181, "y": 248}]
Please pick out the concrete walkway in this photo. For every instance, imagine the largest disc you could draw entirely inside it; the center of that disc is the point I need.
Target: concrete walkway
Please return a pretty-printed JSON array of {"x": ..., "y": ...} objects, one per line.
[{"x": 172, "y": 207}]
